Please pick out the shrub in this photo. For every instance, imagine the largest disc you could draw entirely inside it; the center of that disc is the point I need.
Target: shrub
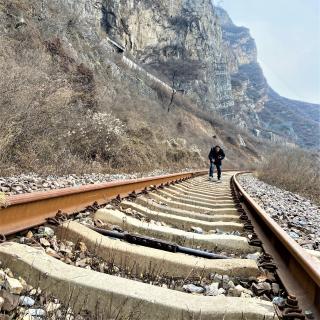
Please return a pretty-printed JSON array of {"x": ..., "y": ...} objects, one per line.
[
  {"x": 95, "y": 136},
  {"x": 294, "y": 169}
]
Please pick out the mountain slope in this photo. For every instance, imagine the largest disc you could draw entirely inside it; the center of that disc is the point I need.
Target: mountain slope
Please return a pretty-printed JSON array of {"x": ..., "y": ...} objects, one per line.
[
  {"x": 133, "y": 85},
  {"x": 77, "y": 94}
]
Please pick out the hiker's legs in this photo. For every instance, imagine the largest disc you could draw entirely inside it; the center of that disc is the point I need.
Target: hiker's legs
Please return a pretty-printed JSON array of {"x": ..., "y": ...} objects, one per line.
[
  {"x": 219, "y": 170},
  {"x": 211, "y": 170}
]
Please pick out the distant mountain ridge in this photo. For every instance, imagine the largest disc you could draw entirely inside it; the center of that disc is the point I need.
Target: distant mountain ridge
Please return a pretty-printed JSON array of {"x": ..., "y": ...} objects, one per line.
[{"x": 296, "y": 121}]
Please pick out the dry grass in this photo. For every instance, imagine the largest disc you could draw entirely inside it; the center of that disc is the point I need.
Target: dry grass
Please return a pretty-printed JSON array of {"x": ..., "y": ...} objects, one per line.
[
  {"x": 55, "y": 110},
  {"x": 3, "y": 200},
  {"x": 61, "y": 115},
  {"x": 293, "y": 169}
]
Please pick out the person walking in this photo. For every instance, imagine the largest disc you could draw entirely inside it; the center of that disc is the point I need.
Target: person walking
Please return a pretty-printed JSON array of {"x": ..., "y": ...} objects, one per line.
[{"x": 216, "y": 156}]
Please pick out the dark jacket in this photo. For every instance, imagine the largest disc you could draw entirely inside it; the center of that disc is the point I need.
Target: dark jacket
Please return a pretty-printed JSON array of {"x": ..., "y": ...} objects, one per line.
[{"x": 215, "y": 156}]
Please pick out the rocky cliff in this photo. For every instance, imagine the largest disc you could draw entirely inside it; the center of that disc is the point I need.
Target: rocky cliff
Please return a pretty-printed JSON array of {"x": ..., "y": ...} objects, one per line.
[
  {"x": 256, "y": 105},
  {"x": 180, "y": 41},
  {"x": 197, "y": 50}
]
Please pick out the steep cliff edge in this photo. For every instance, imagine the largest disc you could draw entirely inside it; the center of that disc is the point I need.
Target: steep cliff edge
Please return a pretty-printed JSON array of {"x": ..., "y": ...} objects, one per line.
[{"x": 270, "y": 115}]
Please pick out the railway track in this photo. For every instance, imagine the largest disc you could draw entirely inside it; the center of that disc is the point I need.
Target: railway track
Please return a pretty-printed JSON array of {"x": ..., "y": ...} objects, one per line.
[{"x": 188, "y": 249}]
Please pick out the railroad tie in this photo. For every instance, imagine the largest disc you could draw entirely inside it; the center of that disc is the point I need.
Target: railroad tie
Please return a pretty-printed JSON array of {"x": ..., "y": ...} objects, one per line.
[
  {"x": 183, "y": 222},
  {"x": 145, "y": 259},
  {"x": 226, "y": 209},
  {"x": 208, "y": 215},
  {"x": 217, "y": 202},
  {"x": 102, "y": 293},
  {"x": 208, "y": 241}
]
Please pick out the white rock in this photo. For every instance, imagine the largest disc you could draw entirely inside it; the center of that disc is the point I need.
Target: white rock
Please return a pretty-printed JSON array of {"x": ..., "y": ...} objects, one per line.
[
  {"x": 221, "y": 291},
  {"x": 192, "y": 288},
  {"x": 44, "y": 242},
  {"x": 233, "y": 292},
  {"x": 212, "y": 289},
  {"x": 50, "y": 307},
  {"x": 1, "y": 302},
  {"x": 23, "y": 283},
  {"x": 217, "y": 278},
  {"x": 237, "y": 290},
  {"x": 13, "y": 285},
  {"x": 52, "y": 253},
  {"x": 46, "y": 231},
  {"x": 36, "y": 312},
  {"x": 26, "y": 301},
  {"x": 8, "y": 272},
  {"x": 197, "y": 229},
  {"x": 253, "y": 256},
  {"x": 2, "y": 277},
  {"x": 33, "y": 292}
]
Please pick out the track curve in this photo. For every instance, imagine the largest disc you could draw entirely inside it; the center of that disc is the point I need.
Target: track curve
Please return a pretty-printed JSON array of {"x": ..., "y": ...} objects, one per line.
[{"x": 182, "y": 209}]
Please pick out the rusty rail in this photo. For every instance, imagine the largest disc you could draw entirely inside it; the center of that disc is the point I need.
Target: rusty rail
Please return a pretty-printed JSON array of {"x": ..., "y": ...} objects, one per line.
[
  {"x": 298, "y": 271},
  {"x": 32, "y": 209}
]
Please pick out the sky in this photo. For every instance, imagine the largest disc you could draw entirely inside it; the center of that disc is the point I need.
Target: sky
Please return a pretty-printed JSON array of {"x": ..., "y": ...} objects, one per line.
[{"x": 287, "y": 35}]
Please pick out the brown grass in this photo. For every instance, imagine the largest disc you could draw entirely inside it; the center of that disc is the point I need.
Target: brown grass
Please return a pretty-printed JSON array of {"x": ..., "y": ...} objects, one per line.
[
  {"x": 293, "y": 169},
  {"x": 49, "y": 100}
]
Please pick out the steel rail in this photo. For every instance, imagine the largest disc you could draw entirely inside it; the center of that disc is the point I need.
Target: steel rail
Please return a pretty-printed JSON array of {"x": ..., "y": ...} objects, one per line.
[
  {"x": 32, "y": 209},
  {"x": 298, "y": 271}
]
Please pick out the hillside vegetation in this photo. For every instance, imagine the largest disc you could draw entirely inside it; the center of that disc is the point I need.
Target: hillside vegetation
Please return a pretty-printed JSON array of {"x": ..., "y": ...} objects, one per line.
[{"x": 68, "y": 106}]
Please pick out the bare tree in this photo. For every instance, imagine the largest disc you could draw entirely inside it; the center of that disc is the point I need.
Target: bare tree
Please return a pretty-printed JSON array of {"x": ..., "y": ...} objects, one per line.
[{"x": 181, "y": 72}]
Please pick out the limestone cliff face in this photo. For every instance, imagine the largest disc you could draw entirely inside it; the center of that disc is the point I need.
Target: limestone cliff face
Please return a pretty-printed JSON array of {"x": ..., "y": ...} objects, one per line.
[
  {"x": 248, "y": 91},
  {"x": 179, "y": 40}
]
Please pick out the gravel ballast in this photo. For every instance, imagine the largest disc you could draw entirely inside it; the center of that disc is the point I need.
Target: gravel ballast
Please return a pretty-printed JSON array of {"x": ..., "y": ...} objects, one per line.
[
  {"x": 27, "y": 183},
  {"x": 213, "y": 284},
  {"x": 298, "y": 216}
]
